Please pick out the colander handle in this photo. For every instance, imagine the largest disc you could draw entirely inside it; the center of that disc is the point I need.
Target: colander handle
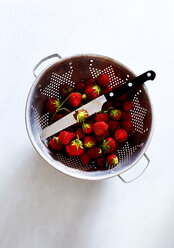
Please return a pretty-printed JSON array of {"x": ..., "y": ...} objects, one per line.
[
  {"x": 44, "y": 59},
  {"x": 148, "y": 161}
]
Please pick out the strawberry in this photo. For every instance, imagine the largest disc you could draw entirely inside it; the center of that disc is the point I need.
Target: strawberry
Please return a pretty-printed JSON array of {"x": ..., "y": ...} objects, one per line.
[
  {"x": 65, "y": 89},
  {"x": 79, "y": 87},
  {"x": 65, "y": 137},
  {"x": 52, "y": 104},
  {"x": 113, "y": 125},
  {"x": 75, "y": 99},
  {"x": 90, "y": 81},
  {"x": 122, "y": 98},
  {"x": 102, "y": 136},
  {"x": 103, "y": 80},
  {"x": 120, "y": 135},
  {"x": 117, "y": 104},
  {"x": 109, "y": 145},
  {"x": 126, "y": 116},
  {"x": 100, "y": 127},
  {"x": 112, "y": 159},
  {"x": 115, "y": 114},
  {"x": 79, "y": 133},
  {"x": 106, "y": 90},
  {"x": 71, "y": 128},
  {"x": 92, "y": 91},
  {"x": 128, "y": 126},
  {"x": 87, "y": 128},
  {"x": 75, "y": 148},
  {"x": 128, "y": 105},
  {"x": 94, "y": 152},
  {"x": 101, "y": 162},
  {"x": 89, "y": 141},
  {"x": 102, "y": 117},
  {"x": 107, "y": 105},
  {"x": 55, "y": 144},
  {"x": 81, "y": 115},
  {"x": 84, "y": 158},
  {"x": 57, "y": 117}
]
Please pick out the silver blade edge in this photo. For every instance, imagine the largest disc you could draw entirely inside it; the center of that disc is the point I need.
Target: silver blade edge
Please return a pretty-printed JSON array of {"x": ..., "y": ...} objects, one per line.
[{"x": 91, "y": 107}]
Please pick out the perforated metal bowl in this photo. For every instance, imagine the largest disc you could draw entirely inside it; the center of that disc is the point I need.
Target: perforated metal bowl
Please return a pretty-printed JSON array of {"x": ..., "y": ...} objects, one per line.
[{"x": 74, "y": 69}]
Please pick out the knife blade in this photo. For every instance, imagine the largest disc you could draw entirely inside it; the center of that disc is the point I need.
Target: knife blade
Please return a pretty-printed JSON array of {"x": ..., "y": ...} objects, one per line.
[
  {"x": 96, "y": 104},
  {"x": 91, "y": 107}
]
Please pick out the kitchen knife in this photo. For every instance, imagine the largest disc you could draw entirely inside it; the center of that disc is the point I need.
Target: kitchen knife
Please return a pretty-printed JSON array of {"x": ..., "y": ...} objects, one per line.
[{"x": 95, "y": 105}]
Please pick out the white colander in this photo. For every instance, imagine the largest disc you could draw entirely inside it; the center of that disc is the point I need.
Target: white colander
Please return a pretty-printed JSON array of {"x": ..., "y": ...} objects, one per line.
[{"x": 74, "y": 69}]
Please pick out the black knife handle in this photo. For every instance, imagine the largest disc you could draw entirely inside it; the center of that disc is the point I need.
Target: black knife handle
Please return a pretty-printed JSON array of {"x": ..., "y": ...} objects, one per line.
[{"x": 130, "y": 85}]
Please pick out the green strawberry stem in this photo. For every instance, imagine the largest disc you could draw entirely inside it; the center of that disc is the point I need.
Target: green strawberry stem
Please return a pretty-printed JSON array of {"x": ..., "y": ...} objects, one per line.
[
  {"x": 67, "y": 98},
  {"x": 109, "y": 109},
  {"x": 78, "y": 143},
  {"x": 59, "y": 108},
  {"x": 105, "y": 146},
  {"x": 64, "y": 109},
  {"x": 54, "y": 114}
]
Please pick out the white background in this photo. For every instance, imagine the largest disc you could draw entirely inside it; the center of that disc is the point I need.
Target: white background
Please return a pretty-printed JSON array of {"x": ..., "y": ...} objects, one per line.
[{"x": 40, "y": 207}]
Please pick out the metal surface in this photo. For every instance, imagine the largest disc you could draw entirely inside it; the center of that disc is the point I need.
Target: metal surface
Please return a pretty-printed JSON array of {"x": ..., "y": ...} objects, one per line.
[
  {"x": 74, "y": 69},
  {"x": 91, "y": 107},
  {"x": 45, "y": 59},
  {"x": 125, "y": 181}
]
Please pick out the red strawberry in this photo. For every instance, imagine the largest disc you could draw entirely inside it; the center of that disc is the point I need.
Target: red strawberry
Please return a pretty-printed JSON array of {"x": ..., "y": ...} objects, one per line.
[
  {"x": 102, "y": 117},
  {"x": 107, "y": 105},
  {"x": 112, "y": 159},
  {"x": 87, "y": 128},
  {"x": 79, "y": 133},
  {"x": 92, "y": 91},
  {"x": 55, "y": 144},
  {"x": 57, "y": 117},
  {"x": 84, "y": 158},
  {"x": 109, "y": 145},
  {"x": 89, "y": 141},
  {"x": 71, "y": 128},
  {"x": 115, "y": 114},
  {"x": 100, "y": 127},
  {"x": 79, "y": 87},
  {"x": 65, "y": 89},
  {"x": 113, "y": 125},
  {"x": 94, "y": 152},
  {"x": 75, "y": 99},
  {"x": 52, "y": 105},
  {"x": 128, "y": 105},
  {"x": 75, "y": 148},
  {"x": 128, "y": 126},
  {"x": 103, "y": 80},
  {"x": 90, "y": 81},
  {"x": 126, "y": 116},
  {"x": 81, "y": 115},
  {"x": 122, "y": 98},
  {"x": 117, "y": 104},
  {"x": 66, "y": 137},
  {"x": 106, "y": 90},
  {"x": 102, "y": 136},
  {"x": 121, "y": 135},
  {"x": 101, "y": 162}
]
